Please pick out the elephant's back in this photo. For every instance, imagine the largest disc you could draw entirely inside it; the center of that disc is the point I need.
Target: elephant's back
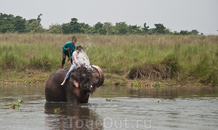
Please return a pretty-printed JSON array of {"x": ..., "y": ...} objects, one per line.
[
  {"x": 53, "y": 89},
  {"x": 57, "y": 76}
]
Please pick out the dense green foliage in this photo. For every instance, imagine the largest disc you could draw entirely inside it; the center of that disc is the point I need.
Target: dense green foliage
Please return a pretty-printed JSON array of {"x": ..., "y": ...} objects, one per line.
[{"x": 11, "y": 23}]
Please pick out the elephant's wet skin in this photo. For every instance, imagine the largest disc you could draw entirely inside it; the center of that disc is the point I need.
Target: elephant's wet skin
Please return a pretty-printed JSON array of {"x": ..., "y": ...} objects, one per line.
[{"x": 88, "y": 81}]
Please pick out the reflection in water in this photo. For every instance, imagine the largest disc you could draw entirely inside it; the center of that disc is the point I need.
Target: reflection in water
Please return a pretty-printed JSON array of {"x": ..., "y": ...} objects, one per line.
[{"x": 71, "y": 117}]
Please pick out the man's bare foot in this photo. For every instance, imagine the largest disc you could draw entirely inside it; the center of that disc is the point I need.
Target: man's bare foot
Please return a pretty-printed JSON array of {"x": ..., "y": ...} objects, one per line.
[
  {"x": 62, "y": 69},
  {"x": 63, "y": 82}
]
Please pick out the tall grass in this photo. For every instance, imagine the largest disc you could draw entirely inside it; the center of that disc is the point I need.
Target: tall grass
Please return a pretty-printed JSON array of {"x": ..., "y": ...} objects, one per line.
[
  {"x": 15, "y": 56},
  {"x": 187, "y": 58}
]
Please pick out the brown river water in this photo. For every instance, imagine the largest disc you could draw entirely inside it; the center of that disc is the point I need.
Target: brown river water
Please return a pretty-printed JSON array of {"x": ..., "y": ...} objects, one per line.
[{"x": 191, "y": 108}]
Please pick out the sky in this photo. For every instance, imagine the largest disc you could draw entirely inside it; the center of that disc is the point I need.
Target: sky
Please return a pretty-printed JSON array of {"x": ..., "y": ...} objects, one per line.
[{"x": 175, "y": 15}]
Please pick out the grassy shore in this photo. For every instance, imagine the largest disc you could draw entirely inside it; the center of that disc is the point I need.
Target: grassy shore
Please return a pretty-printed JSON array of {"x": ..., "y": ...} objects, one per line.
[{"x": 184, "y": 60}]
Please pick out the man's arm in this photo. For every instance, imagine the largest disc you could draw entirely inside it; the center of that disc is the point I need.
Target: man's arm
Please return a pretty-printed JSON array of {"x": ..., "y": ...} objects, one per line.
[{"x": 65, "y": 47}]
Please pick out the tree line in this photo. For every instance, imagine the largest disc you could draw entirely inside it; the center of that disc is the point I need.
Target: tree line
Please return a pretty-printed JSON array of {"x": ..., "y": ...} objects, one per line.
[{"x": 11, "y": 23}]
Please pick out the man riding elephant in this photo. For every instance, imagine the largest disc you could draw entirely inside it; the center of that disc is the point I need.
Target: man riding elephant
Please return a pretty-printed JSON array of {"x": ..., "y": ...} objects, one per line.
[{"x": 67, "y": 50}]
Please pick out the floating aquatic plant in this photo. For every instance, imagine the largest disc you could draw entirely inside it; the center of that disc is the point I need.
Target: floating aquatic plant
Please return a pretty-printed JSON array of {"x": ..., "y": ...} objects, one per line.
[
  {"x": 112, "y": 100},
  {"x": 108, "y": 99},
  {"x": 14, "y": 105},
  {"x": 57, "y": 110}
]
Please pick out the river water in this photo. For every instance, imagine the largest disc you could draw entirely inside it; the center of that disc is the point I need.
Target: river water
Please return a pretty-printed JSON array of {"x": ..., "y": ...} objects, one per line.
[{"x": 193, "y": 108}]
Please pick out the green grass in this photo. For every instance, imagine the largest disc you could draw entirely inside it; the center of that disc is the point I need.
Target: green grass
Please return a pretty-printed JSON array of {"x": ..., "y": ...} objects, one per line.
[{"x": 182, "y": 59}]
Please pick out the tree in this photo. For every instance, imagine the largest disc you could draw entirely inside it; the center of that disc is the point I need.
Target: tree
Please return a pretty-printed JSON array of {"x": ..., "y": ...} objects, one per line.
[
  {"x": 6, "y": 23},
  {"x": 10, "y": 23},
  {"x": 7, "y": 28},
  {"x": 66, "y": 28},
  {"x": 98, "y": 28},
  {"x": 39, "y": 19},
  {"x": 55, "y": 28},
  {"x": 86, "y": 27},
  {"x": 160, "y": 29},
  {"x": 72, "y": 27},
  {"x": 167, "y": 31},
  {"x": 175, "y": 33},
  {"x": 102, "y": 31},
  {"x": 34, "y": 26},
  {"x": 152, "y": 31},
  {"x": 145, "y": 29},
  {"x": 109, "y": 27},
  {"x": 121, "y": 28},
  {"x": 133, "y": 29},
  {"x": 195, "y": 32},
  {"x": 184, "y": 32},
  {"x": 20, "y": 24}
]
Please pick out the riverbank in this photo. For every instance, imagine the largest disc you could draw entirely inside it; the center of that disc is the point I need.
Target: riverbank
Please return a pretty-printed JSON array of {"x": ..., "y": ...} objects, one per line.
[
  {"x": 125, "y": 60},
  {"x": 32, "y": 78},
  {"x": 38, "y": 77}
]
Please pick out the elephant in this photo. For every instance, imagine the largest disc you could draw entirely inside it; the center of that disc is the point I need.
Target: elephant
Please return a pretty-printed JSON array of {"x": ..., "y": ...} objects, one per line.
[{"x": 81, "y": 83}]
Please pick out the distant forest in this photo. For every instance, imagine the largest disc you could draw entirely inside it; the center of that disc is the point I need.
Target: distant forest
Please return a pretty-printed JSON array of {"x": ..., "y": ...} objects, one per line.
[{"x": 18, "y": 24}]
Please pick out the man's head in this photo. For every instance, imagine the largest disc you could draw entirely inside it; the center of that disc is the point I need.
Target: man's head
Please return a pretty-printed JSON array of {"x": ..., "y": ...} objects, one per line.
[{"x": 73, "y": 39}]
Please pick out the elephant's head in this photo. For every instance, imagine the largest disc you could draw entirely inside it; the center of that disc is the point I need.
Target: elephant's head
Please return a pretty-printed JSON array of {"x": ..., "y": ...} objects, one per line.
[{"x": 87, "y": 80}]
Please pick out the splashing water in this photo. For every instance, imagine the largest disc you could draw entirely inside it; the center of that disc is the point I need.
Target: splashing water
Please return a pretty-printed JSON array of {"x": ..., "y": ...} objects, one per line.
[{"x": 84, "y": 60}]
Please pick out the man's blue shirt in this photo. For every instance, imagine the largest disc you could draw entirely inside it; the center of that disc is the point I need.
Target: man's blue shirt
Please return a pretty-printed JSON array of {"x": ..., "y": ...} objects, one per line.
[{"x": 69, "y": 45}]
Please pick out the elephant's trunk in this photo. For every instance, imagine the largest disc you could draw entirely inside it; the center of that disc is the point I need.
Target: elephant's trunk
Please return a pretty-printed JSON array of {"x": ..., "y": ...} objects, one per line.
[{"x": 101, "y": 75}]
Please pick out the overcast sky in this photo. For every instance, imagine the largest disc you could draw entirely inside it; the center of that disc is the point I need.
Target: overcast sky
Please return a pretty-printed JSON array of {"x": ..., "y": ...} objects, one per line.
[{"x": 176, "y": 15}]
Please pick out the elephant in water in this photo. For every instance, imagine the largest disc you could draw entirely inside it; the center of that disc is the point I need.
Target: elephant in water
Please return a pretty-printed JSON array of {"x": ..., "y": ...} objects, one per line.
[{"x": 87, "y": 80}]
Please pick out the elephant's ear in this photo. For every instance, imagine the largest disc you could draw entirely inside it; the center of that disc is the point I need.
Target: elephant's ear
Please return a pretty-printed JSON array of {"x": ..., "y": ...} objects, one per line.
[
  {"x": 74, "y": 82},
  {"x": 99, "y": 76}
]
